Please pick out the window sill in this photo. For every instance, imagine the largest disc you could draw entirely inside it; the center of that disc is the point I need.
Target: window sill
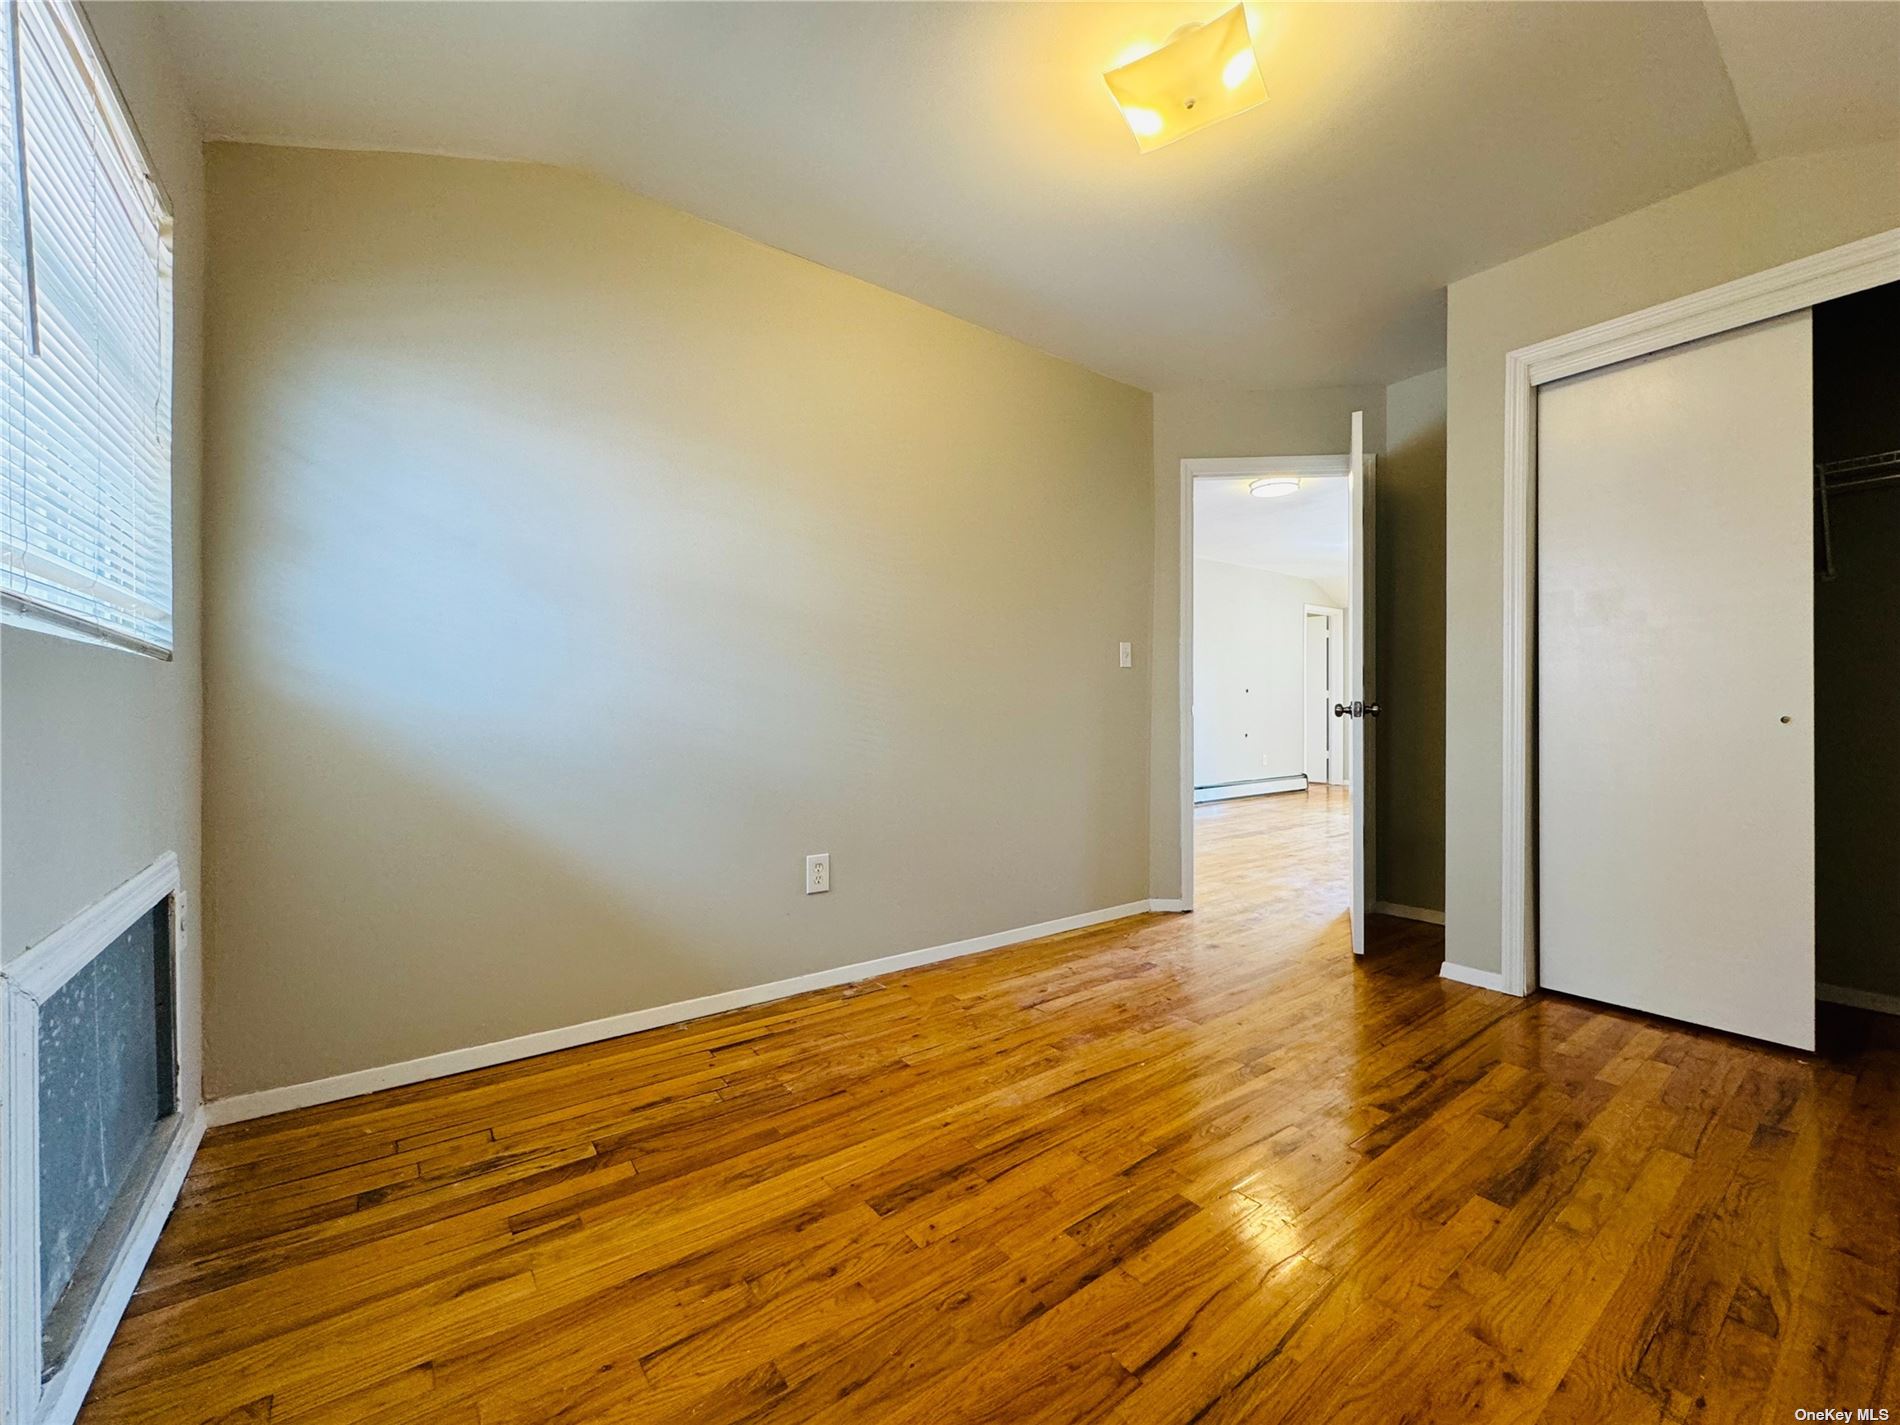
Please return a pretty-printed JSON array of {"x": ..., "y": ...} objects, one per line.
[{"x": 16, "y": 612}]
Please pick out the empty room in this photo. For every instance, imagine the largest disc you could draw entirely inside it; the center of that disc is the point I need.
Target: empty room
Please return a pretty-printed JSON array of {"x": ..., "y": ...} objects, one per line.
[{"x": 935, "y": 712}]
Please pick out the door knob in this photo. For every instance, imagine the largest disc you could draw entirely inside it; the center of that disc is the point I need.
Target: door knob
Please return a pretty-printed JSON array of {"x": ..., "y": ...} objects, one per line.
[
  {"x": 1341, "y": 710},
  {"x": 1372, "y": 709}
]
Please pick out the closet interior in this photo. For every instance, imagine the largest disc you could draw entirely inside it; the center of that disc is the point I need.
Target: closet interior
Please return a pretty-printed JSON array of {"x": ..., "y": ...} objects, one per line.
[{"x": 1857, "y": 646}]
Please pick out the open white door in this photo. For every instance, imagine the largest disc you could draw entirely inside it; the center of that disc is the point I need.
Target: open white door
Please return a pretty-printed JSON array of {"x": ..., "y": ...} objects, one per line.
[
  {"x": 1359, "y": 708},
  {"x": 1675, "y": 683}
]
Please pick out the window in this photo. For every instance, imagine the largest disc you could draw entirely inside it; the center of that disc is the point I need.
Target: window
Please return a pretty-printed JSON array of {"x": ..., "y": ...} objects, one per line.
[{"x": 85, "y": 492}]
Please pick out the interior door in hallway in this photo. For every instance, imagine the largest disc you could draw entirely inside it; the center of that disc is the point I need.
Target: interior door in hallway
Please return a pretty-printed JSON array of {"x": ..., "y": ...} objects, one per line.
[
  {"x": 1319, "y": 699},
  {"x": 1675, "y": 627}
]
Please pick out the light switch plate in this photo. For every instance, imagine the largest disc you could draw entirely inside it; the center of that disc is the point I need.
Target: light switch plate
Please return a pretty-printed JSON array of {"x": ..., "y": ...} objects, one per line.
[{"x": 1128, "y": 655}]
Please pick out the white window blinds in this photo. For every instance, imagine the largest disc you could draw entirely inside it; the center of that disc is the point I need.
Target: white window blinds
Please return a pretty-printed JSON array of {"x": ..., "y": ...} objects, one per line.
[{"x": 85, "y": 494}]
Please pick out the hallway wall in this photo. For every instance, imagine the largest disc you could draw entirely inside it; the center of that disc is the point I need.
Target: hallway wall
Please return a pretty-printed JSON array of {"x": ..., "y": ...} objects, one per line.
[
  {"x": 1411, "y": 655},
  {"x": 1249, "y": 672}
]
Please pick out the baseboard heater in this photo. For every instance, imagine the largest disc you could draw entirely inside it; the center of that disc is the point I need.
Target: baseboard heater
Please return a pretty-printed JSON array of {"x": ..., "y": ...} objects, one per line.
[{"x": 1253, "y": 787}]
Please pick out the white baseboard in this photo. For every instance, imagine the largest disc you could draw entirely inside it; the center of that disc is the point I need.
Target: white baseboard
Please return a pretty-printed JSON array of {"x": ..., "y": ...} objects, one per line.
[
  {"x": 1465, "y": 975},
  {"x": 1409, "y": 912},
  {"x": 1173, "y": 903},
  {"x": 1832, "y": 994},
  {"x": 1859, "y": 999},
  {"x": 1258, "y": 788},
  {"x": 241, "y": 1107},
  {"x": 66, "y": 1392}
]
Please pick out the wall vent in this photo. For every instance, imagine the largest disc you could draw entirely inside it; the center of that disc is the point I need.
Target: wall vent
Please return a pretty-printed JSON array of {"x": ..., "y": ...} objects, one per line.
[{"x": 95, "y": 1133}]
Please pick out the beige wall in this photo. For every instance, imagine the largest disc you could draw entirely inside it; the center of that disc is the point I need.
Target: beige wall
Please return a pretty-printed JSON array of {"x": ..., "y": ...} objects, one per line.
[
  {"x": 1739, "y": 224},
  {"x": 1250, "y": 690},
  {"x": 1411, "y": 645},
  {"x": 578, "y": 566},
  {"x": 99, "y": 748},
  {"x": 1206, "y": 422}
]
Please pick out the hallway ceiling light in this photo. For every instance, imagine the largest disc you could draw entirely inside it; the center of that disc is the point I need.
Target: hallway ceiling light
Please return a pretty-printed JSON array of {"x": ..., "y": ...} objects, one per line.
[
  {"x": 1274, "y": 487},
  {"x": 1204, "y": 73}
]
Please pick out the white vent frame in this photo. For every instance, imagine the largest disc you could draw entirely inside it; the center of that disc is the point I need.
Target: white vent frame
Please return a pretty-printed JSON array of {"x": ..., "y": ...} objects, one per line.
[{"x": 25, "y": 985}]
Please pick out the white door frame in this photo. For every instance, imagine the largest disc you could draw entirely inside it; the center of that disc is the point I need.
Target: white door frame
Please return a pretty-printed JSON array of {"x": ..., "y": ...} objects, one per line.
[
  {"x": 1854, "y": 267},
  {"x": 1335, "y": 623},
  {"x": 1307, "y": 467}
]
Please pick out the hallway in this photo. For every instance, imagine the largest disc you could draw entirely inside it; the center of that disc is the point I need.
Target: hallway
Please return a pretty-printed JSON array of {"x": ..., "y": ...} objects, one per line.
[{"x": 1289, "y": 852}]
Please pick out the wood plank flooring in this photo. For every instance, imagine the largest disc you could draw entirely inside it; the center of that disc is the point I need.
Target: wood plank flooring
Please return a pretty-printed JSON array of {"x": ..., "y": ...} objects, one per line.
[{"x": 1174, "y": 1169}]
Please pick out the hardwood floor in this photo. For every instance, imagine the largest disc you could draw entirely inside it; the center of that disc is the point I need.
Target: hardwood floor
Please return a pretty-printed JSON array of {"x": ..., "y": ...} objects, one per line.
[{"x": 1201, "y": 1168}]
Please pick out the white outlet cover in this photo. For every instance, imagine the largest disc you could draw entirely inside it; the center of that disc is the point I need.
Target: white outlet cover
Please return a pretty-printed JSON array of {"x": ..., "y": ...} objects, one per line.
[
  {"x": 1128, "y": 655},
  {"x": 818, "y": 873}
]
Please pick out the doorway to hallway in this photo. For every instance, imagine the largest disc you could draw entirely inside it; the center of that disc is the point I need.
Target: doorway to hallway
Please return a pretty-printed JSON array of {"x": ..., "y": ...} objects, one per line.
[{"x": 1249, "y": 580}]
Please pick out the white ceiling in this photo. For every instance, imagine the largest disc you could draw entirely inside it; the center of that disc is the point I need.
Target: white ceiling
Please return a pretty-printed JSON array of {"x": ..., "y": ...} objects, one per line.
[
  {"x": 1812, "y": 75},
  {"x": 967, "y": 155},
  {"x": 1303, "y": 535}
]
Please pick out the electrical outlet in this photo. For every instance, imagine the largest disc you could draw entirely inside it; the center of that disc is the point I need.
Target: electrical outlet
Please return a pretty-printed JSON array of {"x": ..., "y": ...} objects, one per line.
[
  {"x": 1128, "y": 655},
  {"x": 818, "y": 873}
]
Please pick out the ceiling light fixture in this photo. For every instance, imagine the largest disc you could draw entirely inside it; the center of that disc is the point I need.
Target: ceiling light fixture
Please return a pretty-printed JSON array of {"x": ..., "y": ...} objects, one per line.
[
  {"x": 1274, "y": 487},
  {"x": 1203, "y": 74}
]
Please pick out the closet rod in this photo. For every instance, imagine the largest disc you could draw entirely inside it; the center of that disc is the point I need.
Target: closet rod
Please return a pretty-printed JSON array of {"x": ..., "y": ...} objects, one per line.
[
  {"x": 1856, "y": 464},
  {"x": 1863, "y": 482}
]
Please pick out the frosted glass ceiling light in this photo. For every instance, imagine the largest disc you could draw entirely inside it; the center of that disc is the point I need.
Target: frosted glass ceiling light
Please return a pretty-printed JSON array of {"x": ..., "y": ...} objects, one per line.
[
  {"x": 1273, "y": 488},
  {"x": 1204, "y": 73}
]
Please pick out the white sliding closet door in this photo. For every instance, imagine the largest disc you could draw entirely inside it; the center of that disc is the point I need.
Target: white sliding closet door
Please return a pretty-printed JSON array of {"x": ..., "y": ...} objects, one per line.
[{"x": 1676, "y": 683}]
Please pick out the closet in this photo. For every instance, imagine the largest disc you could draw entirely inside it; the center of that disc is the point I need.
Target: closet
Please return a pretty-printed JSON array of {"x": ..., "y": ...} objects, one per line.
[
  {"x": 1857, "y": 646},
  {"x": 1718, "y": 673}
]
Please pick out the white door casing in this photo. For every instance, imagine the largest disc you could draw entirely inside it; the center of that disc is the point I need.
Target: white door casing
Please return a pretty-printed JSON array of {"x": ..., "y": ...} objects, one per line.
[{"x": 1357, "y": 743}]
